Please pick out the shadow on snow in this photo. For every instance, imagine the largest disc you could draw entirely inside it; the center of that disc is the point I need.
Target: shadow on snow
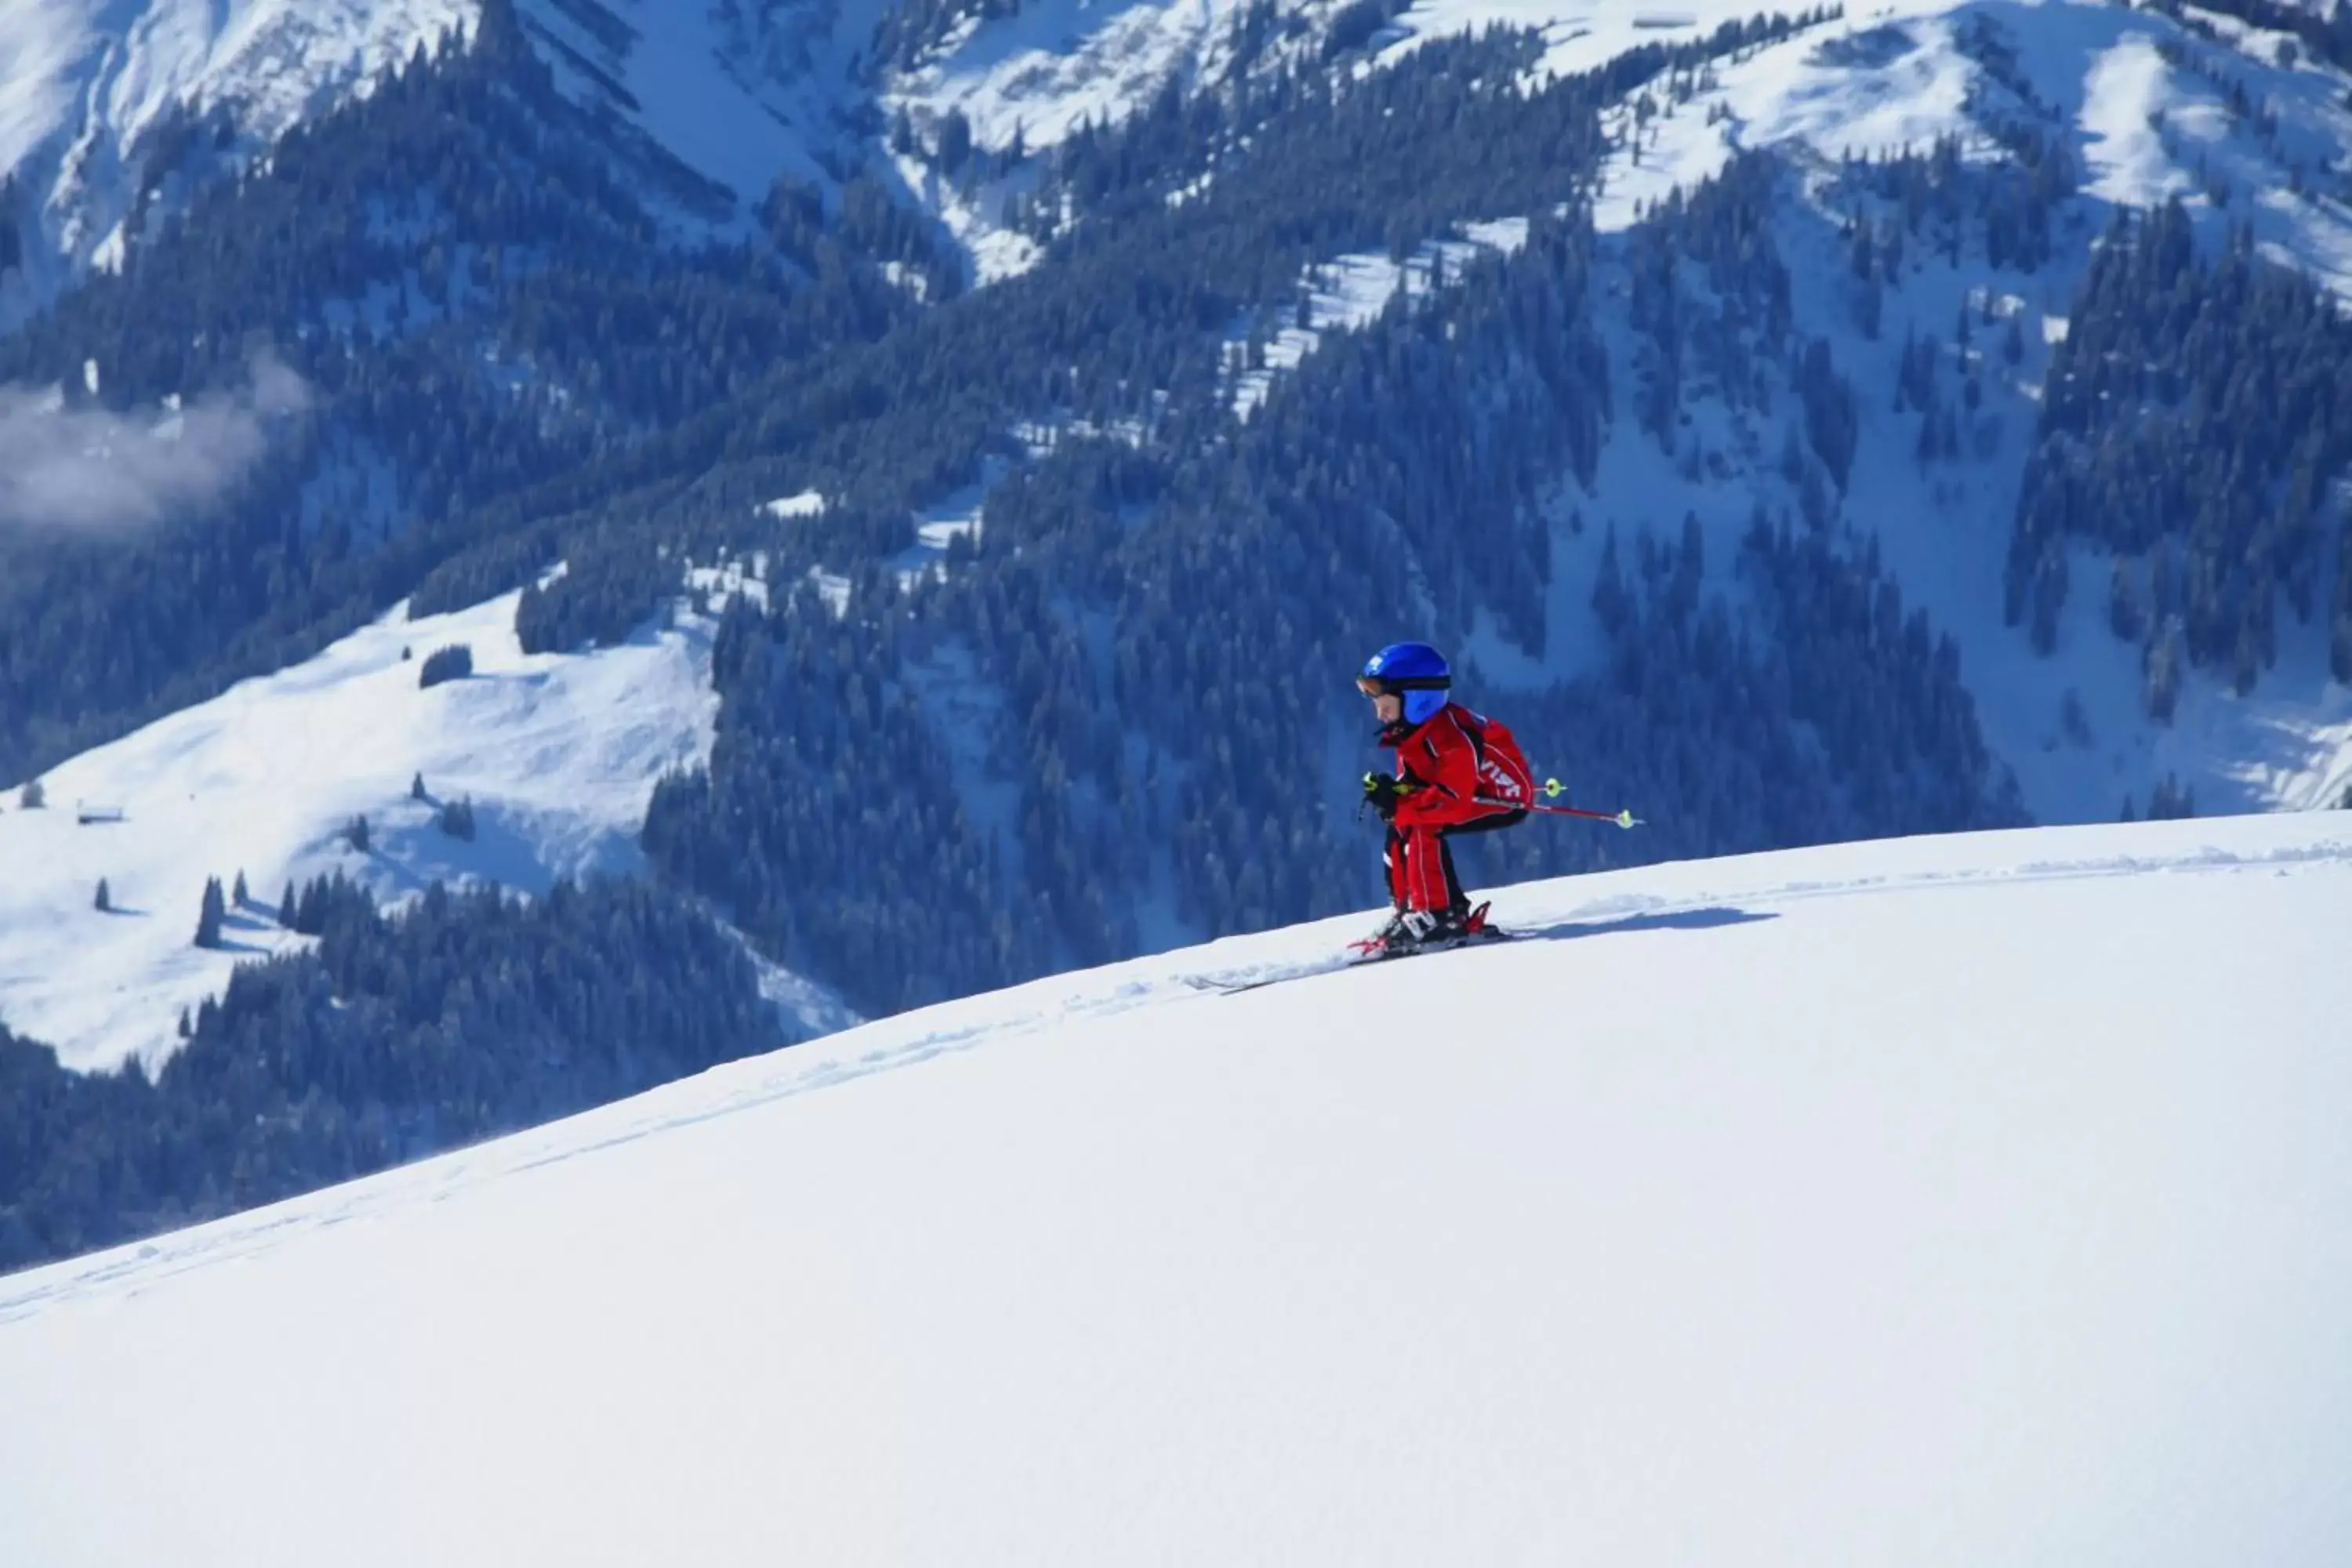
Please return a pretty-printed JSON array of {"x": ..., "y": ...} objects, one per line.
[{"x": 1673, "y": 919}]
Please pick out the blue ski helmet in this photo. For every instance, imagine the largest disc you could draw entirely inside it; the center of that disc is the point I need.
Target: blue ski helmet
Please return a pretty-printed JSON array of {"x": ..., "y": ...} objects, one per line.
[{"x": 1416, "y": 671}]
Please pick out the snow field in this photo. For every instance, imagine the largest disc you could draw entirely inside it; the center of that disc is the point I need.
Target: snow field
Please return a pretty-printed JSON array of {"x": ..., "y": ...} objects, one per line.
[
  {"x": 1967, "y": 1199},
  {"x": 559, "y": 754}
]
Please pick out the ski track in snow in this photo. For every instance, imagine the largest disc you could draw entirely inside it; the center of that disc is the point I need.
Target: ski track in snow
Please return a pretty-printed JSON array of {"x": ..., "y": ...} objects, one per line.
[
  {"x": 1969, "y": 1199},
  {"x": 1694, "y": 895}
]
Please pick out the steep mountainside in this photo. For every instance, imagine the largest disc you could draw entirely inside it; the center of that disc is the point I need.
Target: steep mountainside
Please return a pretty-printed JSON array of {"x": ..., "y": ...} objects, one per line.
[{"x": 113, "y": 116}]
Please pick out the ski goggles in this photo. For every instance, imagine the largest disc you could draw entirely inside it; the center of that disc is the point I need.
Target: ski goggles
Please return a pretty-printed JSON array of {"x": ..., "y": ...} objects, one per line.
[{"x": 1373, "y": 686}]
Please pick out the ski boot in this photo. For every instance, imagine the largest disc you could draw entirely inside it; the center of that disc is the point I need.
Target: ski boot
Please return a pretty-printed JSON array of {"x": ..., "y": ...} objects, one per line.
[{"x": 1413, "y": 930}]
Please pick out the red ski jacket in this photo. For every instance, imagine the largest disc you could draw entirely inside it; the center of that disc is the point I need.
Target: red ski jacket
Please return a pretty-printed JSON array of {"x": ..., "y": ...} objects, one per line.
[{"x": 1467, "y": 766}]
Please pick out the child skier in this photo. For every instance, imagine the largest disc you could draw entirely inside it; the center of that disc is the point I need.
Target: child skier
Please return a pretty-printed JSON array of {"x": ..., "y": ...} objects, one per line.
[{"x": 1456, "y": 772}]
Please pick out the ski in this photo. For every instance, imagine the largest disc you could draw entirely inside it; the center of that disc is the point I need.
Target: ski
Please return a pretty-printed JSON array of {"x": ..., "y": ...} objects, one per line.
[{"x": 1233, "y": 984}]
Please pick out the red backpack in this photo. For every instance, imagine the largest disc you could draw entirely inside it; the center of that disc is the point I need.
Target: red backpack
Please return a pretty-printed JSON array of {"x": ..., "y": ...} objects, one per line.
[{"x": 1504, "y": 778}]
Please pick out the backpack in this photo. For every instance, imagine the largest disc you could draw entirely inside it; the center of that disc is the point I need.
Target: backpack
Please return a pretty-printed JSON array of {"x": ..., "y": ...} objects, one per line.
[{"x": 1504, "y": 778}]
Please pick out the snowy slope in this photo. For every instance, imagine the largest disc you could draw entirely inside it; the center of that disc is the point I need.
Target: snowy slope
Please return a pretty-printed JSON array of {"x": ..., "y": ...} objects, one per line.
[
  {"x": 736, "y": 95},
  {"x": 1580, "y": 35},
  {"x": 1041, "y": 71},
  {"x": 1035, "y": 76},
  {"x": 1886, "y": 79},
  {"x": 2145, "y": 131},
  {"x": 557, "y": 753},
  {"x": 1971, "y": 1200},
  {"x": 83, "y": 82}
]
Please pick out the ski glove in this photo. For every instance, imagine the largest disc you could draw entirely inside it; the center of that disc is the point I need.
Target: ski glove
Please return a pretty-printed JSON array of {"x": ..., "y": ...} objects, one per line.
[{"x": 1382, "y": 793}]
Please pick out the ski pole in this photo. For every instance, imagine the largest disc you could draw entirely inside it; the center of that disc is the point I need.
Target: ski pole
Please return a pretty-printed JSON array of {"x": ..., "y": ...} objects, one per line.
[
  {"x": 1554, "y": 787},
  {"x": 1551, "y": 787}
]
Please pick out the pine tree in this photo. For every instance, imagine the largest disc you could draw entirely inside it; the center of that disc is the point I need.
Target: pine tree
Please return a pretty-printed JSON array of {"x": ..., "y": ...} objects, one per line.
[
  {"x": 2161, "y": 662},
  {"x": 356, "y": 832},
  {"x": 416, "y": 787},
  {"x": 240, "y": 897},
  {"x": 287, "y": 908},
  {"x": 208, "y": 920},
  {"x": 2123, "y": 601},
  {"x": 105, "y": 901},
  {"x": 33, "y": 797},
  {"x": 455, "y": 662},
  {"x": 2073, "y": 721},
  {"x": 498, "y": 34},
  {"x": 2049, "y": 598},
  {"x": 955, "y": 140},
  {"x": 1870, "y": 309},
  {"x": 2168, "y": 801},
  {"x": 1610, "y": 602}
]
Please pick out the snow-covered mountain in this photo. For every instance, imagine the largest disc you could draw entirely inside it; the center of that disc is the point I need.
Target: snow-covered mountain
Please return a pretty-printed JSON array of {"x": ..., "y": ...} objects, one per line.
[
  {"x": 2073, "y": 726},
  {"x": 1972, "y": 1199},
  {"x": 556, "y": 754},
  {"x": 740, "y": 91},
  {"x": 87, "y": 85},
  {"x": 101, "y": 102},
  {"x": 2243, "y": 127}
]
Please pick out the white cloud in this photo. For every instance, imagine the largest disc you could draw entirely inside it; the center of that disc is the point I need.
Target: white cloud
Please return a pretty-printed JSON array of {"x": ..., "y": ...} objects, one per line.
[{"x": 96, "y": 469}]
